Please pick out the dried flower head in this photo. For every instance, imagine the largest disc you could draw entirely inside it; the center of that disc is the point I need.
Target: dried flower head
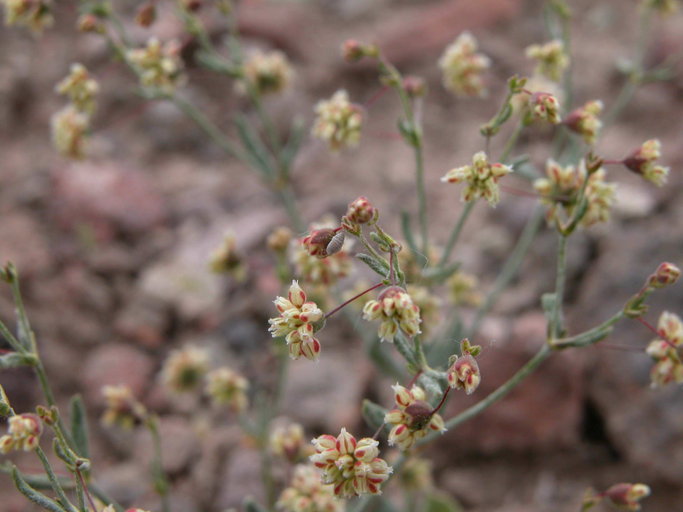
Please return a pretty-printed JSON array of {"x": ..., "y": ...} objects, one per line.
[
  {"x": 551, "y": 59},
  {"x": 227, "y": 388},
  {"x": 80, "y": 88},
  {"x": 481, "y": 178},
  {"x": 642, "y": 161},
  {"x": 34, "y": 14},
  {"x": 584, "y": 121},
  {"x": 288, "y": 441},
  {"x": 543, "y": 106},
  {"x": 122, "y": 408},
  {"x": 319, "y": 271},
  {"x": 396, "y": 310},
  {"x": 185, "y": 368},
  {"x": 462, "y": 67},
  {"x": 307, "y": 493},
  {"x": 69, "y": 129},
  {"x": 296, "y": 323},
  {"x": 413, "y": 417},
  {"x": 23, "y": 433},
  {"x": 562, "y": 188},
  {"x": 338, "y": 121},
  {"x": 278, "y": 240},
  {"x": 665, "y": 351},
  {"x": 627, "y": 496},
  {"x": 159, "y": 65},
  {"x": 266, "y": 73},
  {"x": 464, "y": 289},
  {"x": 226, "y": 260},
  {"x": 352, "y": 467}
]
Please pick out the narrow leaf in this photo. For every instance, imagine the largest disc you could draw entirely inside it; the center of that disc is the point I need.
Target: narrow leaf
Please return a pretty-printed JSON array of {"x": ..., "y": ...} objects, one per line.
[
  {"x": 15, "y": 360},
  {"x": 382, "y": 268},
  {"x": 32, "y": 495},
  {"x": 79, "y": 426}
]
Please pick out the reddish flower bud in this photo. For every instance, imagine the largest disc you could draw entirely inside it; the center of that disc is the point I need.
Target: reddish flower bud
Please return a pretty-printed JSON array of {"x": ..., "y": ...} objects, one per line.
[
  {"x": 666, "y": 274},
  {"x": 627, "y": 496},
  {"x": 361, "y": 211},
  {"x": 316, "y": 243},
  {"x": 414, "y": 86}
]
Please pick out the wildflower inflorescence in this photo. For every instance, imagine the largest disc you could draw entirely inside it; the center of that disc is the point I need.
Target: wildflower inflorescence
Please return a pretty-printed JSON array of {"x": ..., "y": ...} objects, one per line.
[
  {"x": 665, "y": 351},
  {"x": 185, "y": 368},
  {"x": 413, "y": 417},
  {"x": 34, "y": 14},
  {"x": 551, "y": 59},
  {"x": 584, "y": 121},
  {"x": 159, "y": 65},
  {"x": 396, "y": 310},
  {"x": 306, "y": 493},
  {"x": 463, "y": 371},
  {"x": 122, "y": 408},
  {"x": 352, "y": 467},
  {"x": 338, "y": 121},
  {"x": 481, "y": 178},
  {"x": 266, "y": 73},
  {"x": 462, "y": 67},
  {"x": 23, "y": 433},
  {"x": 226, "y": 387},
  {"x": 642, "y": 162},
  {"x": 296, "y": 323}
]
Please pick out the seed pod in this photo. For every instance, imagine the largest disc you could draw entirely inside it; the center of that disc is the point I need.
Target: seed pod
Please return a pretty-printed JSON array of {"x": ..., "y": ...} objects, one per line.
[{"x": 335, "y": 245}]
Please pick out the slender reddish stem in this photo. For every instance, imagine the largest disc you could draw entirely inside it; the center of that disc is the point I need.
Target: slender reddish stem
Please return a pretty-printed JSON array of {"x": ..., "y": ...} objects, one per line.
[
  {"x": 86, "y": 490},
  {"x": 328, "y": 315},
  {"x": 414, "y": 379},
  {"x": 378, "y": 431},
  {"x": 443, "y": 400},
  {"x": 377, "y": 95},
  {"x": 657, "y": 332}
]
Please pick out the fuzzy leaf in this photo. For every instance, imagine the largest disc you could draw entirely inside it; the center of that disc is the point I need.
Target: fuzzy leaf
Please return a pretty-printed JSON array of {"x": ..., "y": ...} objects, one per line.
[
  {"x": 32, "y": 495},
  {"x": 15, "y": 360},
  {"x": 378, "y": 266},
  {"x": 373, "y": 414},
  {"x": 79, "y": 426}
]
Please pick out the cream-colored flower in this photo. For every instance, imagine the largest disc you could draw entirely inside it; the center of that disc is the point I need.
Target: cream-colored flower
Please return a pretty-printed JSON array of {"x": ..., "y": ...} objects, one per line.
[
  {"x": 551, "y": 59},
  {"x": 80, "y": 88},
  {"x": 69, "y": 130},
  {"x": 338, "y": 121},
  {"x": 122, "y": 408},
  {"x": 34, "y": 14},
  {"x": 481, "y": 178},
  {"x": 396, "y": 310},
  {"x": 23, "y": 433},
  {"x": 307, "y": 493},
  {"x": 226, "y": 260},
  {"x": 227, "y": 387},
  {"x": 464, "y": 289},
  {"x": 295, "y": 323},
  {"x": 665, "y": 351},
  {"x": 413, "y": 417},
  {"x": 266, "y": 73},
  {"x": 643, "y": 161},
  {"x": 352, "y": 467},
  {"x": 159, "y": 65},
  {"x": 585, "y": 121},
  {"x": 288, "y": 441},
  {"x": 429, "y": 305},
  {"x": 185, "y": 368},
  {"x": 462, "y": 67}
]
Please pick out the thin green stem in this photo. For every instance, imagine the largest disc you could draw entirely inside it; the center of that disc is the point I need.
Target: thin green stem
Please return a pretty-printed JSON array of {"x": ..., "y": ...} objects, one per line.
[
  {"x": 560, "y": 278},
  {"x": 455, "y": 234},
  {"x": 511, "y": 142},
  {"x": 421, "y": 196},
  {"x": 496, "y": 395},
  {"x": 160, "y": 480},
  {"x": 590, "y": 336},
  {"x": 509, "y": 269},
  {"x": 287, "y": 197}
]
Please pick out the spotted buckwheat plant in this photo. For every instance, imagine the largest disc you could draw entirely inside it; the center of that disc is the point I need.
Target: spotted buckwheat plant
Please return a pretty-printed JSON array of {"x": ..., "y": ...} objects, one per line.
[
  {"x": 23, "y": 433},
  {"x": 122, "y": 408},
  {"x": 462, "y": 67},
  {"x": 296, "y": 323},
  {"x": 584, "y": 121},
  {"x": 396, "y": 310},
  {"x": 413, "y": 417},
  {"x": 480, "y": 178},
  {"x": 288, "y": 441},
  {"x": 352, "y": 467},
  {"x": 463, "y": 372}
]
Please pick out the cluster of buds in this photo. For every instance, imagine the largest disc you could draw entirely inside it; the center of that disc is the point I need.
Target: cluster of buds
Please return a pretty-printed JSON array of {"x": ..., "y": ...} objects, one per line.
[
  {"x": 543, "y": 106},
  {"x": 623, "y": 496},
  {"x": 265, "y": 73},
  {"x": 353, "y": 50},
  {"x": 352, "y": 467},
  {"x": 463, "y": 371},
  {"x": 80, "y": 88},
  {"x": 226, "y": 260},
  {"x": 306, "y": 493},
  {"x": 288, "y": 441},
  {"x": 360, "y": 211},
  {"x": 34, "y": 14},
  {"x": 462, "y": 67},
  {"x": 481, "y": 178},
  {"x": 396, "y": 310},
  {"x": 296, "y": 323},
  {"x": 23, "y": 433},
  {"x": 185, "y": 368},
  {"x": 551, "y": 59},
  {"x": 584, "y": 121},
  {"x": 69, "y": 128},
  {"x": 642, "y": 162},
  {"x": 664, "y": 351},
  {"x": 159, "y": 66},
  {"x": 338, "y": 121},
  {"x": 562, "y": 189},
  {"x": 227, "y": 388},
  {"x": 413, "y": 417},
  {"x": 665, "y": 275},
  {"x": 122, "y": 408},
  {"x": 464, "y": 289}
]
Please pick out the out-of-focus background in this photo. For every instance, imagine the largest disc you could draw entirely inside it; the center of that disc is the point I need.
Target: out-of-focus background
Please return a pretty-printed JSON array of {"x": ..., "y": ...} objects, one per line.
[{"x": 113, "y": 249}]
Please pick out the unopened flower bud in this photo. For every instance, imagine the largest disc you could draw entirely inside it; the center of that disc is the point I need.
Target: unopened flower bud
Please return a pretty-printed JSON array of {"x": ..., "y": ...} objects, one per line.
[
  {"x": 361, "y": 211},
  {"x": 317, "y": 241},
  {"x": 414, "y": 86},
  {"x": 146, "y": 15},
  {"x": 545, "y": 107},
  {"x": 627, "y": 496},
  {"x": 666, "y": 274},
  {"x": 353, "y": 50}
]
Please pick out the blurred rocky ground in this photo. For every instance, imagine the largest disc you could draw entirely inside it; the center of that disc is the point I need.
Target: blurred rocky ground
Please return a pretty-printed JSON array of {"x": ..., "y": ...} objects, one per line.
[{"x": 113, "y": 251}]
